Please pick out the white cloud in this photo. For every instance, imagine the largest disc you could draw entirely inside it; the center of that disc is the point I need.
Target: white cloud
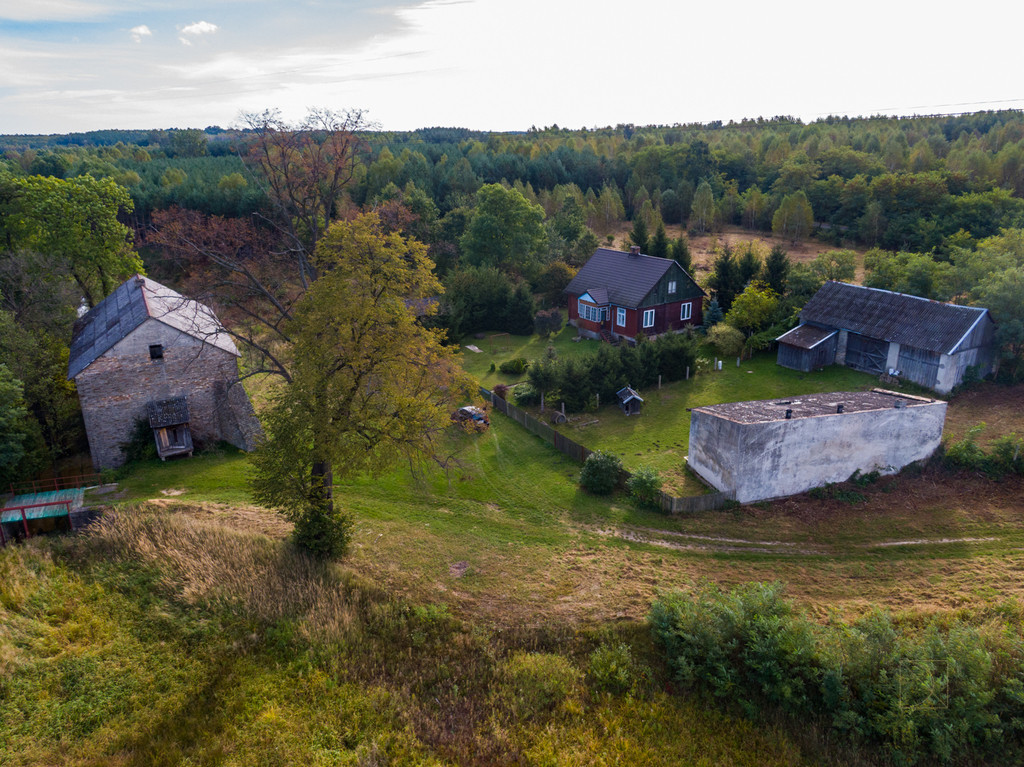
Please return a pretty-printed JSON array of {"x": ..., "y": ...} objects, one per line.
[
  {"x": 200, "y": 28},
  {"x": 140, "y": 32},
  {"x": 196, "y": 29}
]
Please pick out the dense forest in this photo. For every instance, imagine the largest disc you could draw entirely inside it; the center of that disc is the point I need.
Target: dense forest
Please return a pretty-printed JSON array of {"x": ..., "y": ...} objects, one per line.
[{"x": 938, "y": 202}]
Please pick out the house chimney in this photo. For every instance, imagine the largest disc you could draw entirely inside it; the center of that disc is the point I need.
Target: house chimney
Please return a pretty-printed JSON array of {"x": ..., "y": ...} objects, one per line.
[{"x": 634, "y": 250}]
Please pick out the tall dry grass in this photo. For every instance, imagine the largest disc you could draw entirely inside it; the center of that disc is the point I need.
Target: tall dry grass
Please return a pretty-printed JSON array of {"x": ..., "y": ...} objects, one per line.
[{"x": 204, "y": 562}]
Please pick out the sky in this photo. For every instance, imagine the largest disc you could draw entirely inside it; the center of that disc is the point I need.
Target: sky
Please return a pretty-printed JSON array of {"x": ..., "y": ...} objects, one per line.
[{"x": 504, "y": 65}]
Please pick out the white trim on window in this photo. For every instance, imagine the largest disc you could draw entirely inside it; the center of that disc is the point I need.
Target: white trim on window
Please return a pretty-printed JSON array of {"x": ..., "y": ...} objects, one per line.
[
  {"x": 685, "y": 311},
  {"x": 620, "y": 317},
  {"x": 671, "y": 286},
  {"x": 648, "y": 318}
]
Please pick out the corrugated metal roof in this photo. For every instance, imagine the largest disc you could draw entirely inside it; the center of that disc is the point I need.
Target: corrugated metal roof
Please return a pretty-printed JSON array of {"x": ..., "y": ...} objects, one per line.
[
  {"x": 168, "y": 412},
  {"x": 132, "y": 303},
  {"x": 893, "y": 317},
  {"x": 805, "y": 336},
  {"x": 628, "y": 279}
]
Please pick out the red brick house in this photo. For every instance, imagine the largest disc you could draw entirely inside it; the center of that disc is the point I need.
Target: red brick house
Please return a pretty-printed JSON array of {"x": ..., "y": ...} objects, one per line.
[{"x": 620, "y": 295}]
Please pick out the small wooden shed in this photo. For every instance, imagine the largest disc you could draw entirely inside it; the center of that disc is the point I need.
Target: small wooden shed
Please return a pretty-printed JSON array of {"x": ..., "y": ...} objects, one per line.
[
  {"x": 629, "y": 400},
  {"x": 169, "y": 420}
]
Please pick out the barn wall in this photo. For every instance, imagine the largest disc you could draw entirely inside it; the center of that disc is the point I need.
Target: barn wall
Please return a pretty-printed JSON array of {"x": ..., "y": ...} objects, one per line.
[
  {"x": 780, "y": 458},
  {"x": 115, "y": 389}
]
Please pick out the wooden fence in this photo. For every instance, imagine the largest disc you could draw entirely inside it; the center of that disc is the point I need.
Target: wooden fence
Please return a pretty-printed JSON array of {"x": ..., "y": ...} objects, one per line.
[{"x": 579, "y": 453}]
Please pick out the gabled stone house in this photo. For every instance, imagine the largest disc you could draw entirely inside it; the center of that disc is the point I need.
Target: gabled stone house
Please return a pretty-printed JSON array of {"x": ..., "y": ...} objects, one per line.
[
  {"x": 146, "y": 353},
  {"x": 621, "y": 295}
]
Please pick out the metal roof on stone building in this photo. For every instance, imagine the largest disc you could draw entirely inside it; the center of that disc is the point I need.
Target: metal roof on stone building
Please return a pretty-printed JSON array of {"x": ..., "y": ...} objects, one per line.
[
  {"x": 133, "y": 302},
  {"x": 628, "y": 278},
  {"x": 893, "y": 317},
  {"x": 168, "y": 412}
]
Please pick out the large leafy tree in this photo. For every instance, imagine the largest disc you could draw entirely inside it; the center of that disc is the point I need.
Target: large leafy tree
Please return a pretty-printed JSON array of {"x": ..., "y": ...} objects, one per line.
[
  {"x": 702, "y": 212},
  {"x": 369, "y": 384},
  {"x": 506, "y": 231},
  {"x": 75, "y": 223},
  {"x": 794, "y": 218}
]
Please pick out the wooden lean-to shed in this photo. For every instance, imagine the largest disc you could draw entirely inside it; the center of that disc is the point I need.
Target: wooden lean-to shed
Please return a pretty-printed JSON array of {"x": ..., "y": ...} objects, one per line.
[
  {"x": 146, "y": 353},
  {"x": 878, "y": 331}
]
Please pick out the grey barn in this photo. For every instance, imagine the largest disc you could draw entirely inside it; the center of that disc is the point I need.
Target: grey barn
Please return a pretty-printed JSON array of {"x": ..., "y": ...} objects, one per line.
[
  {"x": 146, "y": 353},
  {"x": 928, "y": 342}
]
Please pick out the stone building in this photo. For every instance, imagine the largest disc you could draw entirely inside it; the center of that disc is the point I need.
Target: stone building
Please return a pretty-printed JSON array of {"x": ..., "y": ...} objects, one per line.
[
  {"x": 928, "y": 342},
  {"x": 147, "y": 353},
  {"x": 773, "y": 448}
]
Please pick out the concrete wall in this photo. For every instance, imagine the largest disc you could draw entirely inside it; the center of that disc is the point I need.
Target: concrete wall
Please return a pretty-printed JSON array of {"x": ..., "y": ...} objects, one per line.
[
  {"x": 116, "y": 388},
  {"x": 778, "y": 458}
]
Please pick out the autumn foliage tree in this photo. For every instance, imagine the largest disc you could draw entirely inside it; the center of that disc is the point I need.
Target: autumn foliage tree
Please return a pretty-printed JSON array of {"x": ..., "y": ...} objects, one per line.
[{"x": 369, "y": 385}]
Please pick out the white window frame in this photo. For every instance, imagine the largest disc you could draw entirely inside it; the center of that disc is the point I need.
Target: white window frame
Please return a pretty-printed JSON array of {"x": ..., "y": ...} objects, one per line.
[
  {"x": 685, "y": 311},
  {"x": 648, "y": 318},
  {"x": 591, "y": 313},
  {"x": 672, "y": 287},
  {"x": 620, "y": 317}
]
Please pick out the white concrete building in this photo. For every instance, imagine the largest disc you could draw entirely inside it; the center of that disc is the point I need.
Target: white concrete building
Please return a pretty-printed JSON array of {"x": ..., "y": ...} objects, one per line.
[{"x": 773, "y": 448}]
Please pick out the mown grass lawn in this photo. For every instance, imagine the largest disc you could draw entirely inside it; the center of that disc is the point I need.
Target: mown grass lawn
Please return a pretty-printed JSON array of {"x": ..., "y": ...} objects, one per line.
[{"x": 659, "y": 436}]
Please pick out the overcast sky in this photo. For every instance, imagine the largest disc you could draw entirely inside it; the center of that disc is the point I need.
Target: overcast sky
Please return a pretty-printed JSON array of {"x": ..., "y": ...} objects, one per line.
[{"x": 75, "y": 65}]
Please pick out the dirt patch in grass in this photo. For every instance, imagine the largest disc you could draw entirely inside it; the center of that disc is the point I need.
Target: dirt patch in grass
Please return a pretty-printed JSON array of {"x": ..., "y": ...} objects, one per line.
[{"x": 703, "y": 247}]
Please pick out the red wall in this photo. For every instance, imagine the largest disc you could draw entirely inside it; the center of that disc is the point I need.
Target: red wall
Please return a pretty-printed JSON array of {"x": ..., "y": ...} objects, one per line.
[{"x": 666, "y": 317}]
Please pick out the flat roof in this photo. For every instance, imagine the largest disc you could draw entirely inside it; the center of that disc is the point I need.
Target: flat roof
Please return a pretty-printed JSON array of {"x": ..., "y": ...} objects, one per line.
[{"x": 813, "y": 405}]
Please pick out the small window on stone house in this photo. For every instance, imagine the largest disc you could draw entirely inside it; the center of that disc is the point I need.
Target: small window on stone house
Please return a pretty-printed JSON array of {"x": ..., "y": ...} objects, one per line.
[{"x": 156, "y": 351}]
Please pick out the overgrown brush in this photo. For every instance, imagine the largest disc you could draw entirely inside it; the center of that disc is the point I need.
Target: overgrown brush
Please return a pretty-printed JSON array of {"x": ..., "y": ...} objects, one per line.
[
  {"x": 1005, "y": 456},
  {"x": 204, "y": 562},
  {"x": 940, "y": 692}
]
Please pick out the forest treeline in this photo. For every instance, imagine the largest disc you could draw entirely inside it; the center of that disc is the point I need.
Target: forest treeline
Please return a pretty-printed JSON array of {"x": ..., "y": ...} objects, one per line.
[{"x": 899, "y": 183}]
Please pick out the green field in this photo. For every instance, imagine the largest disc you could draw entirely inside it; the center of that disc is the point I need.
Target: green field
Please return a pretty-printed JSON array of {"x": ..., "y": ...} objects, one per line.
[
  {"x": 468, "y": 623},
  {"x": 659, "y": 436}
]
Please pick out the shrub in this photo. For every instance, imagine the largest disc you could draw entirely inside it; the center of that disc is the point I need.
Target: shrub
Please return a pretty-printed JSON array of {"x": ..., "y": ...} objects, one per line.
[
  {"x": 516, "y": 366},
  {"x": 613, "y": 669},
  {"x": 942, "y": 692},
  {"x": 526, "y": 395},
  {"x": 728, "y": 340},
  {"x": 644, "y": 487},
  {"x": 547, "y": 322},
  {"x": 501, "y": 391},
  {"x": 600, "y": 474},
  {"x": 538, "y": 682}
]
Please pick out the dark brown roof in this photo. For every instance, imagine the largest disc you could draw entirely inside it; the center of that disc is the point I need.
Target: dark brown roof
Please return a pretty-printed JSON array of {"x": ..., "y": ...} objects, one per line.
[
  {"x": 627, "y": 278},
  {"x": 168, "y": 412},
  {"x": 894, "y": 317},
  {"x": 812, "y": 405},
  {"x": 805, "y": 336}
]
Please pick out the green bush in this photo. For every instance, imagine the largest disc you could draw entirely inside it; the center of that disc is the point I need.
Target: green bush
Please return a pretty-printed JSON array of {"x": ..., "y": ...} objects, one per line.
[
  {"x": 526, "y": 395},
  {"x": 613, "y": 669},
  {"x": 1006, "y": 456},
  {"x": 728, "y": 340},
  {"x": 538, "y": 682},
  {"x": 941, "y": 692},
  {"x": 600, "y": 474},
  {"x": 644, "y": 486},
  {"x": 516, "y": 366}
]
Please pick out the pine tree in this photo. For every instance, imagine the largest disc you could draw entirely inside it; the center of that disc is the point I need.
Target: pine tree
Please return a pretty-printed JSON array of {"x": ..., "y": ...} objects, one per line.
[
  {"x": 638, "y": 235},
  {"x": 659, "y": 243}
]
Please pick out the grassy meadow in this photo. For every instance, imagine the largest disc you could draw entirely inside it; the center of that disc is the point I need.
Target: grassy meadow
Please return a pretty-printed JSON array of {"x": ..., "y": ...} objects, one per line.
[{"x": 488, "y": 614}]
